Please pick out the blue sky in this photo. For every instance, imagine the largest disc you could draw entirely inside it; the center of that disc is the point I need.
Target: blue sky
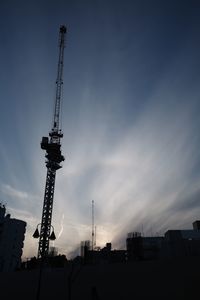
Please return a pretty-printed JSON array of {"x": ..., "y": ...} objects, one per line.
[{"x": 130, "y": 116}]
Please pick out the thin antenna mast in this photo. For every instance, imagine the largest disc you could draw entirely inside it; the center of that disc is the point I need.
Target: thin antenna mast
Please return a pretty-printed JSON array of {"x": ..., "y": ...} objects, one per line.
[
  {"x": 95, "y": 235},
  {"x": 92, "y": 225}
]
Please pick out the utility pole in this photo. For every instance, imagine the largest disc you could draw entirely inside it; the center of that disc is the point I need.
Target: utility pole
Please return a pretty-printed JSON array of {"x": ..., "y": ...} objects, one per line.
[{"x": 52, "y": 146}]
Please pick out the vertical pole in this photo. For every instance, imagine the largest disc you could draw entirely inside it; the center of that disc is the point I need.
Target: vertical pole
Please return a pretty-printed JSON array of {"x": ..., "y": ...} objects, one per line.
[
  {"x": 39, "y": 279},
  {"x": 95, "y": 235},
  {"x": 92, "y": 225}
]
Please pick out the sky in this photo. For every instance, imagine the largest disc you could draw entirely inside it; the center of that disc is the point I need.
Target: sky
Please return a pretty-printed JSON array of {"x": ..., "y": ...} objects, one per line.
[{"x": 130, "y": 117}]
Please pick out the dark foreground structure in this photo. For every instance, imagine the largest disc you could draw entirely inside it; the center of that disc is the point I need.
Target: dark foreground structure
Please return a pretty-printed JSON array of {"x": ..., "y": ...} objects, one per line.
[
  {"x": 167, "y": 279},
  {"x": 12, "y": 234}
]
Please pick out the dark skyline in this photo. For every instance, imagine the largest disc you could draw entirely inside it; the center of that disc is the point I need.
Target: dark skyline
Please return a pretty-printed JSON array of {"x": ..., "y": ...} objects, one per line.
[{"x": 130, "y": 116}]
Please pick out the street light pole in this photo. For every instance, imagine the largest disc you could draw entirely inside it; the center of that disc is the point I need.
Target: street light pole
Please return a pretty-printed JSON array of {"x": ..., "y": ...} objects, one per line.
[
  {"x": 52, "y": 237},
  {"x": 36, "y": 235}
]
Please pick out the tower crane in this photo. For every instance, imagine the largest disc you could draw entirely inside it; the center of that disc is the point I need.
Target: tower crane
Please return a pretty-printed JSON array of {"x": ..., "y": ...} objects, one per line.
[{"x": 54, "y": 158}]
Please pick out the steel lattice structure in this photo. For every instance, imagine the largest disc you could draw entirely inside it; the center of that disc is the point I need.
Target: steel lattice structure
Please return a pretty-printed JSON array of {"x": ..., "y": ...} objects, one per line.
[{"x": 52, "y": 145}]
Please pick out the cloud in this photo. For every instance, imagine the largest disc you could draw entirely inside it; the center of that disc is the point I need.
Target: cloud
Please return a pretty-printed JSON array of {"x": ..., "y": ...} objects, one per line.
[
  {"x": 145, "y": 178},
  {"x": 131, "y": 132},
  {"x": 7, "y": 190},
  {"x": 142, "y": 176},
  {"x": 19, "y": 199}
]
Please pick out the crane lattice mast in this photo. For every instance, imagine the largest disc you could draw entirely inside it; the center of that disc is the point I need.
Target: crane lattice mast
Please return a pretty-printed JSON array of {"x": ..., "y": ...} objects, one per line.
[{"x": 52, "y": 145}]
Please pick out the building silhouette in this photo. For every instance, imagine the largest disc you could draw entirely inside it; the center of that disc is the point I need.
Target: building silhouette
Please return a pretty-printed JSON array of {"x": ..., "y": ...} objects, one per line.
[
  {"x": 143, "y": 248},
  {"x": 101, "y": 255},
  {"x": 84, "y": 248},
  {"x": 12, "y": 233},
  {"x": 183, "y": 243},
  {"x": 174, "y": 244}
]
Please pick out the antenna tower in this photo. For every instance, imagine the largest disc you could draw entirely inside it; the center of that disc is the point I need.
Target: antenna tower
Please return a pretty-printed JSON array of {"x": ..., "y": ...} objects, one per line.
[
  {"x": 95, "y": 236},
  {"x": 92, "y": 225}
]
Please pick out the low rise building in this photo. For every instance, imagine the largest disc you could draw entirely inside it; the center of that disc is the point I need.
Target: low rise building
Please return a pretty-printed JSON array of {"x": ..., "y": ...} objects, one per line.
[
  {"x": 174, "y": 243},
  {"x": 143, "y": 248},
  {"x": 182, "y": 243},
  {"x": 104, "y": 255}
]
